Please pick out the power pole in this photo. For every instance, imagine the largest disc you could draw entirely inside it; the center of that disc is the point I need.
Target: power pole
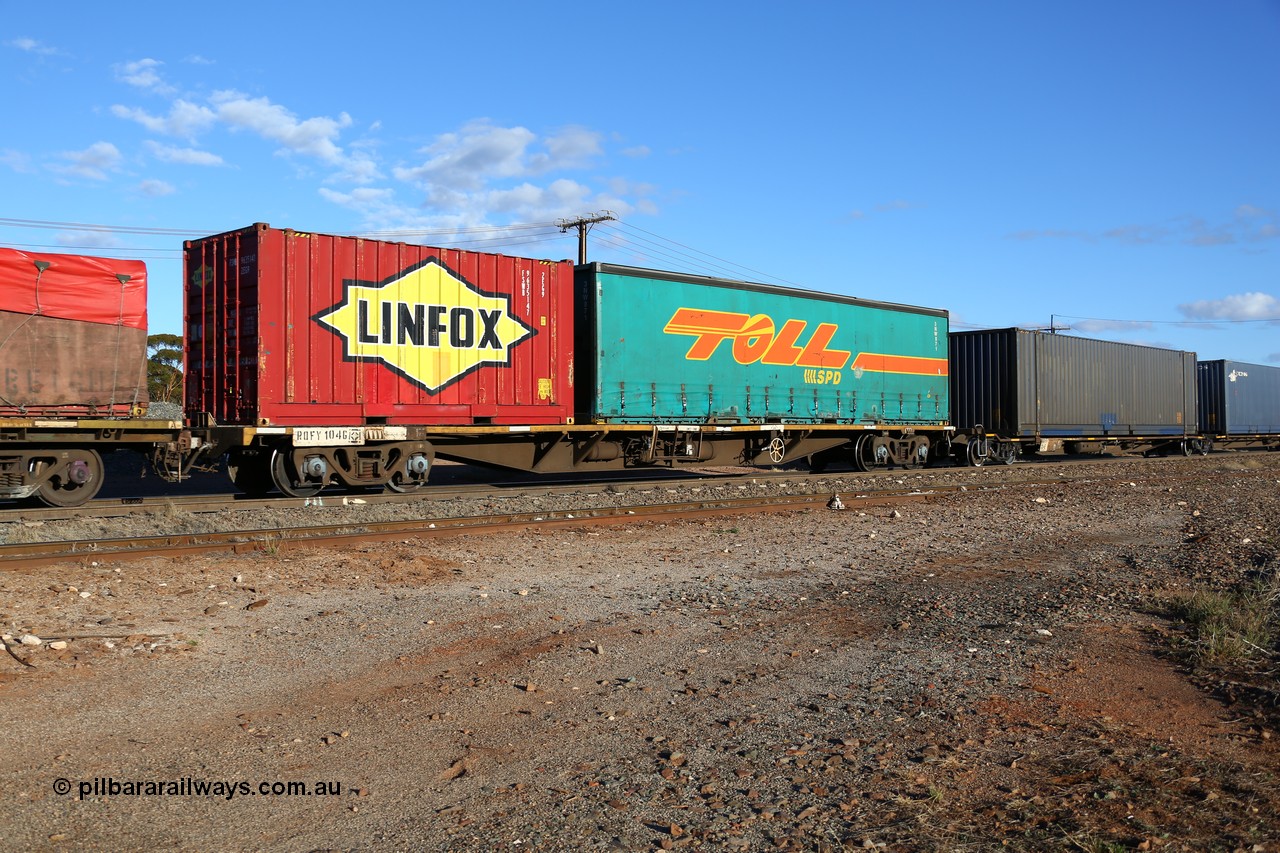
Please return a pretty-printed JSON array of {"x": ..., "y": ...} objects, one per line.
[
  {"x": 583, "y": 224},
  {"x": 1053, "y": 327}
]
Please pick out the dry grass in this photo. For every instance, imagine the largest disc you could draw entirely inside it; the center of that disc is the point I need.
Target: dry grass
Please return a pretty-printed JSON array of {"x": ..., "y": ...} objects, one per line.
[{"x": 1234, "y": 626}]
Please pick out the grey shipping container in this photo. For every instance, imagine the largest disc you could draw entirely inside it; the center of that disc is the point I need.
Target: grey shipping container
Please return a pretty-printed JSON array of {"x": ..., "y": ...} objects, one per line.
[
  {"x": 1025, "y": 384},
  {"x": 1237, "y": 398}
]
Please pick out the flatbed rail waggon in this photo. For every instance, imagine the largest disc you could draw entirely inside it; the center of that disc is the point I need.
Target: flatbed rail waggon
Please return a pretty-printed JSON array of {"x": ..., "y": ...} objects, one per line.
[{"x": 317, "y": 361}]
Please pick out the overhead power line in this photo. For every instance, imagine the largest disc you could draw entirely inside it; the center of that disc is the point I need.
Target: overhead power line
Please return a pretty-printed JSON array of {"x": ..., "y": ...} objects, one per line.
[
  {"x": 615, "y": 233},
  {"x": 1172, "y": 322},
  {"x": 713, "y": 257},
  {"x": 130, "y": 253},
  {"x": 111, "y": 229}
]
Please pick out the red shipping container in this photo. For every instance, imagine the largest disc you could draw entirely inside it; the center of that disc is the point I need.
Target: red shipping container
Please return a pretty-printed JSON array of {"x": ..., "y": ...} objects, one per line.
[
  {"x": 291, "y": 328},
  {"x": 73, "y": 335}
]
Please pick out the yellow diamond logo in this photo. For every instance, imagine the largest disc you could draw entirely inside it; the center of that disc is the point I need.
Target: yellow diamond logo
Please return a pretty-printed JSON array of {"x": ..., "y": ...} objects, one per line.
[{"x": 426, "y": 323}]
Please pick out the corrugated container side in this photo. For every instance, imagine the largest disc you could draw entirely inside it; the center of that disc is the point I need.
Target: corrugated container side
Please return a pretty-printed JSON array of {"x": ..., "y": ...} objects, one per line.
[
  {"x": 1239, "y": 398},
  {"x": 294, "y": 328},
  {"x": 73, "y": 335},
  {"x": 984, "y": 380},
  {"x": 668, "y": 347},
  {"x": 1021, "y": 383}
]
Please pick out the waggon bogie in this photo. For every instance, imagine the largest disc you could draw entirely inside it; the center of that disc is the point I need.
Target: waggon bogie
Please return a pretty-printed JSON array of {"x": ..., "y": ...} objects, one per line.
[
  {"x": 305, "y": 471},
  {"x": 58, "y": 476}
]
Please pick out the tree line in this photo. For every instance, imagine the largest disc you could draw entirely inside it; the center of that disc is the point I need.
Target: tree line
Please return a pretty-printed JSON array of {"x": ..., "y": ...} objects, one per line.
[{"x": 164, "y": 368}]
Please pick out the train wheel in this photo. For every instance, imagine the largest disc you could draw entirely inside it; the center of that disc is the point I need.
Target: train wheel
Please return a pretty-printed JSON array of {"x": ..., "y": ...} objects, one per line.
[
  {"x": 282, "y": 474},
  {"x": 78, "y": 479},
  {"x": 864, "y": 453},
  {"x": 250, "y": 472},
  {"x": 412, "y": 476},
  {"x": 1195, "y": 447},
  {"x": 973, "y": 450},
  {"x": 401, "y": 486},
  {"x": 777, "y": 450}
]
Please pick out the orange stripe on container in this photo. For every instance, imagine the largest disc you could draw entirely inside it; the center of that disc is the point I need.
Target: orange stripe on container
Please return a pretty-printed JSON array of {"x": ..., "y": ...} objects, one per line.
[{"x": 919, "y": 365}]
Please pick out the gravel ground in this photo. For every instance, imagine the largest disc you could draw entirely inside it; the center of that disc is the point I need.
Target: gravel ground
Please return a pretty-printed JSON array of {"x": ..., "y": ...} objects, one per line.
[{"x": 994, "y": 668}]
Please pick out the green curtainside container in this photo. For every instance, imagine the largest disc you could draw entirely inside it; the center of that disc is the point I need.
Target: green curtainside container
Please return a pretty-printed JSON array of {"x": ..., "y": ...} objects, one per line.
[{"x": 667, "y": 347}]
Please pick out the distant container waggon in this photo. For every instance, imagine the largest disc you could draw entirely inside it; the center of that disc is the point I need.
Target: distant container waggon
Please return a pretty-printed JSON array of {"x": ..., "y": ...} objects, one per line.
[
  {"x": 1239, "y": 400},
  {"x": 1022, "y": 388}
]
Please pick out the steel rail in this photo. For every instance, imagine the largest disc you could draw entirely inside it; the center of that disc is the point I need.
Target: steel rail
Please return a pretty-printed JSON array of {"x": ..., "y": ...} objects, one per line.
[
  {"x": 26, "y": 555},
  {"x": 120, "y": 507}
]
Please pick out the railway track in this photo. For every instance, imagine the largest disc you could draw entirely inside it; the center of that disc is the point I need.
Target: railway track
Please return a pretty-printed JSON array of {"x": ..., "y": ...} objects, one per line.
[
  {"x": 322, "y": 520},
  {"x": 119, "y": 507},
  {"x": 274, "y": 540}
]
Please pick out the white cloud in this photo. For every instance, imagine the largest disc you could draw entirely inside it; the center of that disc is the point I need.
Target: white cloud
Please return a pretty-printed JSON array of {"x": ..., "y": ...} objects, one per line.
[
  {"x": 529, "y": 201},
  {"x": 15, "y": 160},
  {"x": 185, "y": 119},
  {"x": 484, "y": 170},
  {"x": 358, "y": 168},
  {"x": 1248, "y": 224},
  {"x": 144, "y": 74},
  {"x": 32, "y": 46},
  {"x": 1096, "y": 326},
  {"x": 571, "y": 148},
  {"x": 314, "y": 137},
  {"x": 183, "y": 156},
  {"x": 481, "y": 152},
  {"x": 1051, "y": 234},
  {"x": 1240, "y": 306},
  {"x": 92, "y": 163},
  {"x": 883, "y": 207},
  {"x": 377, "y": 205},
  {"x": 91, "y": 239},
  {"x": 155, "y": 189},
  {"x": 623, "y": 186},
  {"x": 1138, "y": 235},
  {"x": 468, "y": 159},
  {"x": 637, "y": 151},
  {"x": 896, "y": 204}
]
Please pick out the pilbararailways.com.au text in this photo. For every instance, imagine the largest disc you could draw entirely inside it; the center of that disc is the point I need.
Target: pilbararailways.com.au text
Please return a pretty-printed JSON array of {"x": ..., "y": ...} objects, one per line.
[{"x": 188, "y": 787}]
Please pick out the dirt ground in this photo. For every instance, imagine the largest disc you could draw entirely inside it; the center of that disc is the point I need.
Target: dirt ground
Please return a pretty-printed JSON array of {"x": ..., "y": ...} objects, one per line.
[{"x": 990, "y": 669}]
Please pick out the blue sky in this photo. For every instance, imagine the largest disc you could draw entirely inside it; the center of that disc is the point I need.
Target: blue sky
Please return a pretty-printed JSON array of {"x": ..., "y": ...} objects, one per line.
[{"x": 1113, "y": 166}]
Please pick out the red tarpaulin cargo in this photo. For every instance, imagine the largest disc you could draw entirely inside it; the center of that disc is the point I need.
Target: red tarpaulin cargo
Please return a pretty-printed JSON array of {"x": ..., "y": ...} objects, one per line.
[
  {"x": 74, "y": 287},
  {"x": 73, "y": 335}
]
